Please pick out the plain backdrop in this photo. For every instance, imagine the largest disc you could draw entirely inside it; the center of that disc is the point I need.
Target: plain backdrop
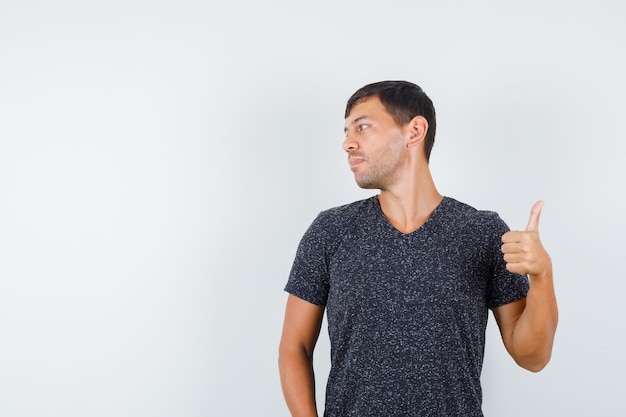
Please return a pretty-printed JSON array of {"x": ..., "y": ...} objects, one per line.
[{"x": 160, "y": 160}]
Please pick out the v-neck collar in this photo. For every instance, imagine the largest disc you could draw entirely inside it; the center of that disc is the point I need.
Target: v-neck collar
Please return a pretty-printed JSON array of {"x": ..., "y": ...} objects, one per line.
[{"x": 433, "y": 216}]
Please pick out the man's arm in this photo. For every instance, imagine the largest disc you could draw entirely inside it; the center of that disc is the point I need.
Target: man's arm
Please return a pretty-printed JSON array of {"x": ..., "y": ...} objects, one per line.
[
  {"x": 528, "y": 325},
  {"x": 301, "y": 329}
]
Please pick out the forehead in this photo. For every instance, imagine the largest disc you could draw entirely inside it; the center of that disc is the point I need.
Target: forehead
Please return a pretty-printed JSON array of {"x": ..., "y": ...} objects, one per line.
[{"x": 371, "y": 107}]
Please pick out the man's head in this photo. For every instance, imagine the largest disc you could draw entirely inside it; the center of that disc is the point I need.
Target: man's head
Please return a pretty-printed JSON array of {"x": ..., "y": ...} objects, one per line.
[{"x": 403, "y": 101}]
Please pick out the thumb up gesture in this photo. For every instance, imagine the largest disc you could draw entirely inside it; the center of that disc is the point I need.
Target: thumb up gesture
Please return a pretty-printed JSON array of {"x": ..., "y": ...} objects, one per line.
[{"x": 523, "y": 251}]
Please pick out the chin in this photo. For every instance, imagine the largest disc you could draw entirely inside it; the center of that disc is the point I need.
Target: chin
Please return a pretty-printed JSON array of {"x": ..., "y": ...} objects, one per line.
[{"x": 367, "y": 185}]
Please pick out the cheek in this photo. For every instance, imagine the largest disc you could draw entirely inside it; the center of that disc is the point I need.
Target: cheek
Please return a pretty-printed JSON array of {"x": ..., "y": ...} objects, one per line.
[{"x": 396, "y": 150}]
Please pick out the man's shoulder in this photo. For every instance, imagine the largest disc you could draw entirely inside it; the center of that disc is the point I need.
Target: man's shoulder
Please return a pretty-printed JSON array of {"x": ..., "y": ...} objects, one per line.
[
  {"x": 466, "y": 209},
  {"x": 341, "y": 218},
  {"x": 349, "y": 210},
  {"x": 470, "y": 215}
]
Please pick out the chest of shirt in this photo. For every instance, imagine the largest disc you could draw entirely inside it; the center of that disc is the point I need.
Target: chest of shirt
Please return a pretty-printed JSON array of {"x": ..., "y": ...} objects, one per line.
[{"x": 408, "y": 272}]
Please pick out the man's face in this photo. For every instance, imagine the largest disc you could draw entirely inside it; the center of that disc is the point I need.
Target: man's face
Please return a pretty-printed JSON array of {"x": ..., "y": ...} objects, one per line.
[{"x": 375, "y": 145}]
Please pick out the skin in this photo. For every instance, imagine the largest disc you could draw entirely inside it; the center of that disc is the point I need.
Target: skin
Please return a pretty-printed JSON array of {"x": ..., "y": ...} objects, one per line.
[{"x": 388, "y": 157}]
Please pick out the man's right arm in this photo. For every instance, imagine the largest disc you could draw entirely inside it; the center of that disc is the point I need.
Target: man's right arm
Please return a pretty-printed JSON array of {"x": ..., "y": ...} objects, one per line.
[{"x": 301, "y": 329}]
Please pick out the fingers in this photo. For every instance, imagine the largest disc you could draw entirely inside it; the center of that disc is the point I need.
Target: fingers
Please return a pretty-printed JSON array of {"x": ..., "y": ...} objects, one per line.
[
  {"x": 523, "y": 251},
  {"x": 514, "y": 258},
  {"x": 535, "y": 213},
  {"x": 517, "y": 268},
  {"x": 523, "y": 256},
  {"x": 512, "y": 236}
]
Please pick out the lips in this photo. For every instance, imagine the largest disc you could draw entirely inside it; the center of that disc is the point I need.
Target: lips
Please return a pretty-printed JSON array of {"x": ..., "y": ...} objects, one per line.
[{"x": 354, "y": 161}]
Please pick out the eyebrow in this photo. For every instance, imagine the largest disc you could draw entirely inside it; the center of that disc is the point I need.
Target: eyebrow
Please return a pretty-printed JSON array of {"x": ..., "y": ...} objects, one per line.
[{"x": 355, "y": 121}]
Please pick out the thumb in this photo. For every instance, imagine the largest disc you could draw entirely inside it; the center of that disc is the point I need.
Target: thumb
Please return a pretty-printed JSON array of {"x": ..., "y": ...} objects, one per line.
[{"x": 533, "y": 221}]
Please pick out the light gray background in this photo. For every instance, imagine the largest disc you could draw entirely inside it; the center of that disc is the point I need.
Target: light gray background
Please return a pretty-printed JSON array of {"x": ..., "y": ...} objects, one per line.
[{"x": 160, "y": 160}]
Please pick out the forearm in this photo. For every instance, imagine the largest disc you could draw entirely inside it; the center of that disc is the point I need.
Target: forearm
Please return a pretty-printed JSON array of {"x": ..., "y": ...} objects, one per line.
[
  {"x": 533, "y": 334},
  {"x": 298, "y": 382}
]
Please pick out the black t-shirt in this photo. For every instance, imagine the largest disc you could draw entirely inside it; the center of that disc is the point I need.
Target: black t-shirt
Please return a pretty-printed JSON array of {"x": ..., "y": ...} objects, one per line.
[{"x": 406, "y": 313}]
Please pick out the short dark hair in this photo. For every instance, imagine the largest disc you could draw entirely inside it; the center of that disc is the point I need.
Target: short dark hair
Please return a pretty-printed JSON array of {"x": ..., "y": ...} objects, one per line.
[{"x": 403, "y": 101}]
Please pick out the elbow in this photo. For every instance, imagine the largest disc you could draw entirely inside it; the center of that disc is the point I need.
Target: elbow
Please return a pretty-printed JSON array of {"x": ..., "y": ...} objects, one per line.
[
  {"x": 534, "y": 367},
  {"x": 284, "y": 355},
  {"x": 533, "y": 357},
  {"x": 534, "y": 354},
  {"x": 287, "y": 354},
  {"x": 534, "y": 363}
]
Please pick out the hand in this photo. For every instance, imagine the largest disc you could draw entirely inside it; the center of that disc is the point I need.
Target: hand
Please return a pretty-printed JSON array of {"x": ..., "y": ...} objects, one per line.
[{"x": 523, "y": 251}]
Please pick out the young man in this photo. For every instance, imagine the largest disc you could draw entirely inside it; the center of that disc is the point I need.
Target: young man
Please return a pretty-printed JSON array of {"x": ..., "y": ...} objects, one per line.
[{"x": 407, "y": 279}]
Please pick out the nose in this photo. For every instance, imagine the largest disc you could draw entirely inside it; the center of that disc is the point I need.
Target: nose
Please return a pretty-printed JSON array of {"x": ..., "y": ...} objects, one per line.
[{"x": 349, "y": 144}]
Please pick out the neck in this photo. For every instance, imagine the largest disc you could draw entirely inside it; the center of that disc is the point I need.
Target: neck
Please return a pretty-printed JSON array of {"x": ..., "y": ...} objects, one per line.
[{"x": 410, "y": 202}]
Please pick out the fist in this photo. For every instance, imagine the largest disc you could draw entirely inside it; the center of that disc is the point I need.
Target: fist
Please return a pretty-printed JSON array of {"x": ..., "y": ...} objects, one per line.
[{"x": 523, "y": 251}]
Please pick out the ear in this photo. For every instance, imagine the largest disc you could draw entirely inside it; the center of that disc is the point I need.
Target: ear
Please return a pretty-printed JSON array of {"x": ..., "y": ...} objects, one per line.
[{"x": 416, "y": 130}]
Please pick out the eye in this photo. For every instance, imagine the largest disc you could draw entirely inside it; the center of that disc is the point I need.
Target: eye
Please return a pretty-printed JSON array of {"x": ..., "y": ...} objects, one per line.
[{"x": 362, "y": 127}]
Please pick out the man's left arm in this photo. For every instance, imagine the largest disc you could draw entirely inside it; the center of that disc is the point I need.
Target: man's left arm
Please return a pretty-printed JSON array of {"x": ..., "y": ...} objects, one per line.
[{"x": 528, "y": 325}]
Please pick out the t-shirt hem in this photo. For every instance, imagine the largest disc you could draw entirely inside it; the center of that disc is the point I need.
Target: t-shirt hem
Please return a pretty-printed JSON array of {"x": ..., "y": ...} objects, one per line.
[
  {"x": 305, "y": 297},
  {"x": 506, "y": 301}
]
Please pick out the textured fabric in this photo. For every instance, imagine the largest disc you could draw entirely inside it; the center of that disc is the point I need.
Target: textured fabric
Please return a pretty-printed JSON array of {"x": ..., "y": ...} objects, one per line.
[{"x": 406, "y": 312}]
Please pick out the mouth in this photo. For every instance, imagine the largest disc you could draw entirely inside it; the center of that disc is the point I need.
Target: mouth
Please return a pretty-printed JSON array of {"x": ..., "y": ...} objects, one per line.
[{"x": 353, "y": 161}]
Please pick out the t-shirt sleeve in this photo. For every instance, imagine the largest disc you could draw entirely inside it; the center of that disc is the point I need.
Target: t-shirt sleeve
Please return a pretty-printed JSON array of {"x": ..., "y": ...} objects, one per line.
[
  {"x": 309, "y": 276},
  {"x": 504, "y": 286}
]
